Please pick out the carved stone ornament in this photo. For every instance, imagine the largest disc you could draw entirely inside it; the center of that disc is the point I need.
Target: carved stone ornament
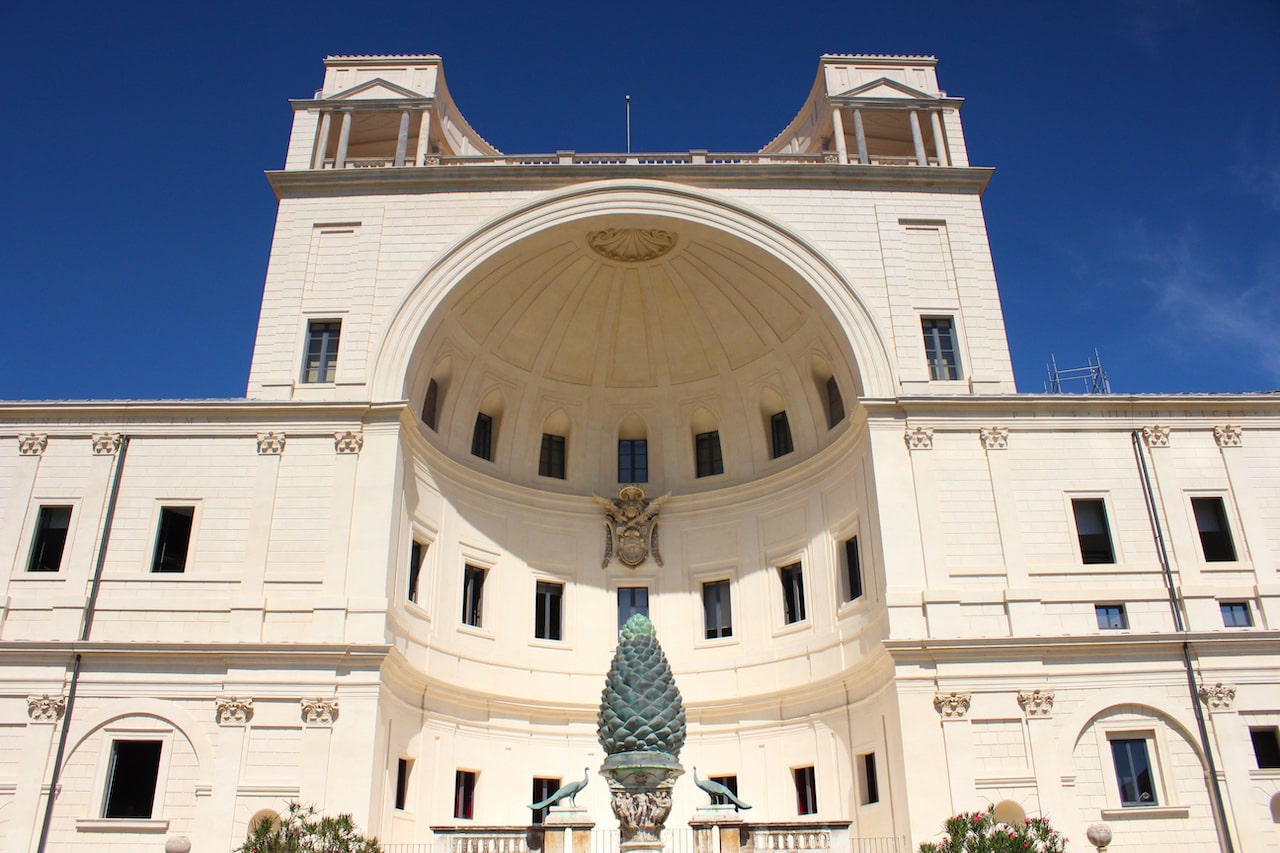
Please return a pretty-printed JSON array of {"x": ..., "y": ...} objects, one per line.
[
  {"x": 631, "y": 245},
  {"x": 919, "y": 438},
  {"x": 431, "y": 160},
  {"x": 1156, "y": 435},
  {"x": 1228, "y": 435},
  {"x": 994, "y": 438},
  {"x": 1219, "y": 697},
  {"x": 32, "y": 444},
  {"x": 631, "y": 526},
  {"x": 830, "y": 157},
  {"x": 1036, "y": 703},
  {"x": 319, "y": 711},
  {"x": 270, "y": 443},
  {"x": 106, "y": 443},
  {"x": 46, "y": 708},
  {"x": 232, "y": 710},
  {"x": 348, "y": 442},
  {"x": 952, "y": 706}
]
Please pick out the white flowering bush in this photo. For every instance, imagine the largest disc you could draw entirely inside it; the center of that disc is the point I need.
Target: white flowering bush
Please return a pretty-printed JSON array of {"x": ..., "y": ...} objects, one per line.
[
  {"x": 301, "y": 830},
  {"x": 980, "y": 832}
]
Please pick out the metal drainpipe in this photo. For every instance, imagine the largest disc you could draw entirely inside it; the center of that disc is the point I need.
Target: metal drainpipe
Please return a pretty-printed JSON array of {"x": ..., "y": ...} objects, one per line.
[
  {"x": 1175, "y": 605},
  {"x": 85, "y": 625}
]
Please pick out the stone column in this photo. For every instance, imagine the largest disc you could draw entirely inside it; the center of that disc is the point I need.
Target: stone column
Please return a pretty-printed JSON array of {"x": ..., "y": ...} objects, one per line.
[
  {"x": 939, "y": 144},
  {"x": 26, "y": 809},
  {"x": 837, "y": 133},
  {"x": 922, "y": 159},
  {"x": 402, "y": 139},
  {"x": 424, "y": 134},
  {"x": 322, "y": 139},
  {"x": 860, "y": 137},
  {"x": 344, "y": 139},
  {"x": 957, "y": 735}
]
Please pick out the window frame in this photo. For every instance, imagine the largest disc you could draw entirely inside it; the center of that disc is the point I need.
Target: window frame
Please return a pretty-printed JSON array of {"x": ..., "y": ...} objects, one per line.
[
  {"x": 633, "y": 583},
  {"x": 730, "y": 781},
  {"x": 419, "y": 548},
  {"x": 157, "y": 525},
  {"x": 1218, "y": 502},
  {"x": 1102, "y": 501},
  {"x": 129, "y": 729},
  {"x": 471, "y": 595},
  {"x": 792, "y": 568},
  {"x": 805, "y": 779},
  {"x": 708, "y": 455},
  {"x": 934, "y": 353},
  {"x": 632, "y": 466},
  {"x": 851, "y": 573},
  {"x": 482, "y": 436},
  {"x": 465, "y": 785},
  {"x": 36, "y": 531},
  {"x": 540, "y": 792},
  {"x": 1098, "y": 612},
  {"x": 326, "y": 369},
  {"x": 724, "y": 605},
  {"x": 552, "y": 456},
  {"x": 561, "y": 586},
  {"x": 781, "y": 439},
  {"x": 1237, "y": 608},
  {"x": 1146, "y": 740}
]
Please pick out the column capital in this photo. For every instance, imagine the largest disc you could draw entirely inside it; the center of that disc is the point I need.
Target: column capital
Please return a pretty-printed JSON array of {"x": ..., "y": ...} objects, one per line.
[
  {"x": 46, "y": 708},
  {"x": 1228, "y": 435},
  {"x": 1036, "y": 703},
  {"x": 232, "y": 710},
  {"x": 953, "y": 705},
  {"x": 271, "y": 443},
  {"x": 319, "y": 711},
  {"x": 919, "y": 438},
  {"x": 1156, "y": 435},
  {"x": 1219, "y": 697},
  {"x": 994, "y": 438},
  {"x": 32, "y": 443}
]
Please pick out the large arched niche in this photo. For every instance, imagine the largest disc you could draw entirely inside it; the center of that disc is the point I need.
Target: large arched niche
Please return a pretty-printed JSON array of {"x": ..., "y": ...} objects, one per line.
[{"x": 700, "y": 306}]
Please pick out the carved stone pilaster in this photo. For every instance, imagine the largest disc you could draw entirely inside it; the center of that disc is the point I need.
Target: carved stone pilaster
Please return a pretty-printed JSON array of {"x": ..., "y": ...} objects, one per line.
[
  {"x": 233, "y": 711},
  {"x": 348, "y": 442},
  {"x": 319, "y": 711},
  {"x": 32, "y": 444},
  {"x": 270, "y": 443},
  {"x": 1228, "y": 435},
  {"x": 1156, "y": 435},
  {"x": 919, "y": 438},
  {"x": 106, "y": 443},
  {"x": 46, "y": 708},
  {"x": 953, "y": 705},
  {"x": 994, "y": 438},
  {"x": 1036, "y": 703},
  {"x": 1219, "y": 697}
]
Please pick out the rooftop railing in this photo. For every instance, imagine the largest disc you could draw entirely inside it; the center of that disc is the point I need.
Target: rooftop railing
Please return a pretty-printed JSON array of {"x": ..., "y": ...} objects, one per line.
[{"x": 573, "y": 158}]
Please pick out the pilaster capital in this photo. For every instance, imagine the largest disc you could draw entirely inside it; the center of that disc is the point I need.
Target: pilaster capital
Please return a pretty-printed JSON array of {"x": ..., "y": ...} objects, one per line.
[
  {"x": 319, "y": 711},
  {"x": 270, "y": 443},
  {"x": 1219, "y": 697},
  {"x": 1036, "y": 703},
  {"x": 32, "y": 443},
  {"x": 1156, "y": 435},
  {"x": 953, "y": 705},
  {"x": 1228, "y": 435},
  {"x": 46, "y": 708},
  {"x": 106, "y": 443},
  {"x": 919, "y": 438},
  {"x": 994, "y": 438},
  {"x": 232, "y": 710},
  {"x": 348, "y": 442}
]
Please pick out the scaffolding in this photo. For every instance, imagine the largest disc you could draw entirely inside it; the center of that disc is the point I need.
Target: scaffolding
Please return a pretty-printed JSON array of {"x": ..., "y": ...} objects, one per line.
[{"x": 1093, "y": 377}]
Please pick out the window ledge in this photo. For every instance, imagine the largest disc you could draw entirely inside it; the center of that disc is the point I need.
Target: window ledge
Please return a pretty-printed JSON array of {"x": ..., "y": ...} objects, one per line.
[
  {"x": 1145, "y": 811},
  {"x": 119, "y": 824}
]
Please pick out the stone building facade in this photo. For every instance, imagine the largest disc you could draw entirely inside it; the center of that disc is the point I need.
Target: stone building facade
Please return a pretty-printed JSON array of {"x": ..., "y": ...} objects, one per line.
[{"x": 891, "y": 588}]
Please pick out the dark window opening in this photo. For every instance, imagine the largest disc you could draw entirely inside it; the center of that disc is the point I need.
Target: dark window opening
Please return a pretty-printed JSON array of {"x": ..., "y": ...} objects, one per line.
[
  {"x": 716, "y": 614},
  {"x": 429, "y": 403},
  {"x": 322, "y": 351},
  {"x": 402, "y": 782},
  {"x": 1133, "y": 772},
  {"x": 1215, "y": 532},
  {"x": 464, "y": 795},
  {"x": 473, "y": 595},
  {"x": 852, "y": 570},
  {"x": 482, "y": 437},
  {"x": 632, "y": 600},
  {"x": 548, "y": 600},
  {"x": 633, "y": 460},
  {"x": 792, "y": 577},
  {"x": 173, "y": 539},
  {"x": 940, "y": 348},
  {"x": 52, "y": 525},
  {"x": 1111, "y": 617},
  {"x": 551, "y": 457},
  {"x": 416, "y": 553},
  {"x": 1266, "y": 746},
  {"x": 806, "y": 791},
  {"x": 131, "y": 779},
  {"x": 870, "y": 785},
  {"x": 707, "y": 452},
  {"x": 835, "y": 404},
  {"x": 543, "y": 788},
  {"x": 1092, "y": 530},
  {"x": 780, "y": 435}
]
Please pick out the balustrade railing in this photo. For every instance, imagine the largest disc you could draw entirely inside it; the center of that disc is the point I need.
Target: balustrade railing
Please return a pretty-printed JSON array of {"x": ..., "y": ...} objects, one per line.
[
  {"x": 573, "y": 158},
  {"x": 758, "y": 838}
]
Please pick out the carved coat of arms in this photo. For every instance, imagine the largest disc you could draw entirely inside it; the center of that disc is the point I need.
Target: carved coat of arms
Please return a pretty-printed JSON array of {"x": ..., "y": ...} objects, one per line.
[{"x": 631, "y": 526}]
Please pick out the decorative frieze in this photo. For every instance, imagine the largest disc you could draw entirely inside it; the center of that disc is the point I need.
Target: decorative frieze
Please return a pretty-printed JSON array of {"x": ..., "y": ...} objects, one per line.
[
  {"x": 1036, "y": 703},
  {"x": 348, "y": 442},
  {"x": 233, "y": 711},
  {"x": 106, "y": 443},
  {"x": 919, "y": 438},
  {"x": 32, "y": 444},
  {"x": 319, "y": 711},
  {"x": 1219, "y": 697},
  {"x": 1228, "y": 435},
  {"x": 46, "y": 708},
  {"x": 994, "y": 438},
  {"x": 953, "y": 705},
  {"x": 631, "y": 245},
  {"x": 270, "y": 443},
  {"x": 1156, "y": 435}
]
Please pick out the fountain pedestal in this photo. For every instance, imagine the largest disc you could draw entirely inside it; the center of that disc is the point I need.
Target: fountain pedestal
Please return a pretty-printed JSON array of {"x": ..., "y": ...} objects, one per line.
[{"x": 640, "y": 786}]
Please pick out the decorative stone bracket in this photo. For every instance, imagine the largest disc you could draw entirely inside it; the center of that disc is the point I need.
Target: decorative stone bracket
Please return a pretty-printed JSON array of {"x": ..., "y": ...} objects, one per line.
[
  {"x": 1228, "y": 435},
  {"x": 106, "y": 443},
  {"x": 46, "y": 708},
  {"x": 1219, "y": 697},
  {"x": 1156, "y": 435},
  {"x": 952, "y": 706},
  {"x": 233, "y": 711},
  {"x": 919, "y": 438},
  {"x": 1036, "y": 703},
  {"x": 32, "y": 444},
  {"x": 270, "y": 443},
  {"x": 348, "y": 442},
  {"x": 994, "y": 438},
  {"x": 319, "y": 711}
]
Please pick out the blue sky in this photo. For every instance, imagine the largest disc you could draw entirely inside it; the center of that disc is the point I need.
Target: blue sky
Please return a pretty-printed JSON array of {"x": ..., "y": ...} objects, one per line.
[{"x": 1135, "y": 206}]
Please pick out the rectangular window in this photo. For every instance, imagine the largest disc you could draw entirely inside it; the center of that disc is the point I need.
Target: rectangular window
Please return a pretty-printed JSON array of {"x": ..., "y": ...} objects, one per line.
[
  {"x": 464, "y": 795},
  {"x": 716, "y": 614},
  {"x": 416, "y": 554},
  {"x": 940, "y": 348},
  {"x": 780, "y": 435},
  {"x": 1133, "y": 772},
  {"x": 707, "y": 452},
  {"x": 867, "y": 779},
  {"x": 173, "y": 538},
  {"x": 429, "y": 404},
  {"x": 131, "y": 779},
  {"x": 835, "y": 403},
  {"x": 1266, "y": 746},
  {"x": 1092, "y": 530},
  {"x": 322, "y": 351},
  {"x": 806, "y": 791},
  {"x": 730, "y": 782},
  {"x": 543, "y": 788},
  {"x": 1235, "y": 614},
  {"x": 852, "y": 570},
  {"x": 547, "y": 610},
  {"x": 1215, "y": 533},
  {"x": 402, "y": 782},
  {"x": 52, "y": 525},
  {"x": 473, "y": 595},
  {"x": 632, "y": 600},
  {"x": 482, "y": 437},
  {"x": 1111, "y": 617},
  {"x": 633, "y": 460},
  {"x": 792, "y": 577},
  {"x": 551, "y": 457}
]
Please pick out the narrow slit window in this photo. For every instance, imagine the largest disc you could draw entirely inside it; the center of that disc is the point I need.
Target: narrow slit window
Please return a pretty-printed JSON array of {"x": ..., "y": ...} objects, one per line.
[
  {"x": 403, "y": 767},
  {"x": 867, "y": 776},
  {"x": 52, "y": 524},
  {"x": 707, "y": 452},
  {"x": 835, "y": 404},
  {"x": 852, "y": 570},
  {"x": 173, "y": 538},
  {"x": 417, "y": 552},
  {"x": 429, "y": 403}
]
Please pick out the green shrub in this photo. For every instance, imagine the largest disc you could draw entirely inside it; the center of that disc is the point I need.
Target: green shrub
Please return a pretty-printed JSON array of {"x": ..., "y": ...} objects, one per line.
[
  {"x": 299, "y": 830},
  {"x": 980, "y": 832}
]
